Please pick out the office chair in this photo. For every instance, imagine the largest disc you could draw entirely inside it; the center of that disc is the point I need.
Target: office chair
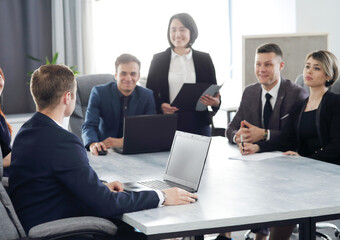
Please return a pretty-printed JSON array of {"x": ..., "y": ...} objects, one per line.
[
  {"x": 319, "y": 235},
  {"x": 11, "y": 228},
  {"x": 84, "y": 87}
]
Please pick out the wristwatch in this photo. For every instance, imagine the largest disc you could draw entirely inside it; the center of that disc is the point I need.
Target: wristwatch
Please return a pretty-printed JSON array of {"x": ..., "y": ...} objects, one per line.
[{"x": 265, "y": 134}]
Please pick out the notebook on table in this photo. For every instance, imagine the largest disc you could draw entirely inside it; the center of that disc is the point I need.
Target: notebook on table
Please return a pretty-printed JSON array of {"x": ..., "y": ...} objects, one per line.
[
  {"x": 148, "y": 133},
  {"x": 185, "y": 164}
]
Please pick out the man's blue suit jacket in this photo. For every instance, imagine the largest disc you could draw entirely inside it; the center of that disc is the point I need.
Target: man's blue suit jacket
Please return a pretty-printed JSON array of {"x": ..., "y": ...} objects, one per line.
[
  {"x": 104, "y": 110},
  {"x": 51, "y": 178}
]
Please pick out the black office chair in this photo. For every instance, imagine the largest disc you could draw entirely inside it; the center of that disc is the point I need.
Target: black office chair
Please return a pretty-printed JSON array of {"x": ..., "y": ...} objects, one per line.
[
  {"x": 216, "y": 131},
  {"x": 84, "y": 87},
  {"x": 319, "y": 226},
  {"x": 88, "y": 227}
]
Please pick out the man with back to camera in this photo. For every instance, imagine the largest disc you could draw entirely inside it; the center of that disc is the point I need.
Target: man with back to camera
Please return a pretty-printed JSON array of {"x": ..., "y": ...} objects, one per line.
[
  {"x": 51, "y": 177},
  {"x": 111, "y": 102},
  {"x": 264, "y": 111}
]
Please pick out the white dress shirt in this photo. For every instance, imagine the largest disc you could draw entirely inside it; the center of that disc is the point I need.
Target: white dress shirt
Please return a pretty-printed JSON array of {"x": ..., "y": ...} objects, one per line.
[
  {"x": 273, "y": 92},
  {"x": 181, "y": 71}
]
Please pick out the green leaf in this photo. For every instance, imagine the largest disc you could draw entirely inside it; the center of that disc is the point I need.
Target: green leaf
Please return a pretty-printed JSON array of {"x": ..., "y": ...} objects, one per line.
[
  {"x": 33, "y": 58},
  {"x": 55, "y": 57},
  {"x": 47, "y": 61}
]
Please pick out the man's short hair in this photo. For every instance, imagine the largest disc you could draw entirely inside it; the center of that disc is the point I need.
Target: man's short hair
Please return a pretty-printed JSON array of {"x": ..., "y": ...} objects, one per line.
[
  {"x": 49, "y": 83},
  {"x": 268, "y": 48},
  {"x": 126, "y": 58}
]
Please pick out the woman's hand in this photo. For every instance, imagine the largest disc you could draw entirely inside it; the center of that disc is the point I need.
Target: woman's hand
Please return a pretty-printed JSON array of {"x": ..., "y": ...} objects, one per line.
[
  {"x": 167, "y": 109},
  {"x": 208, "y": 100}
]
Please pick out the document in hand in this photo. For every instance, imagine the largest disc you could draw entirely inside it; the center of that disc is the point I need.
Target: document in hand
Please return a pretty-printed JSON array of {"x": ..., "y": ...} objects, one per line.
[{"x": 189, "y": 96}]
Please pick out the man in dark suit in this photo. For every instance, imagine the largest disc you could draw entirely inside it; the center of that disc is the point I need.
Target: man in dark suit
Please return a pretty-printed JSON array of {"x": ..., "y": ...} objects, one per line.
[
  {"x": 249, "y": 120},
  {"x": 50, "y": 173},
  {"x": 111, "y": 102},
  {"x": 265, "y": 109}
]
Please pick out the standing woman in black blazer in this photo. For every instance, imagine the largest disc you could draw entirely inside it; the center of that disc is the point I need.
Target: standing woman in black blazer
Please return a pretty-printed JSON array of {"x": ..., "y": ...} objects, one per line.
[
  {"x": 314, "y": 129},
  {"x": 5, "y": 132},
  {"x": 181, "y": 64}
]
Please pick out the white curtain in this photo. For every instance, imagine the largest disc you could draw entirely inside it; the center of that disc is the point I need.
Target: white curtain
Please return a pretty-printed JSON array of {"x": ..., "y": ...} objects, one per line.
[{"x": 72, "y": 34}]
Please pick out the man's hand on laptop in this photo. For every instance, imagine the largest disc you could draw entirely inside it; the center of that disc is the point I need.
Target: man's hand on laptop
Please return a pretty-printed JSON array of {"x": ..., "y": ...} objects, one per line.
[
  {"x": 178, "y": 196},
  {"x": 113, "y": 142},
  {"x": 97, "y": 147}
]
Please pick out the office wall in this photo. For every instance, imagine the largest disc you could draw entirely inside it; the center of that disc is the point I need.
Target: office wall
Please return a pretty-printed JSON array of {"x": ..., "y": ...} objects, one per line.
[
  {"x": 261, "y": 17},
  {"x": 294, "y": 47},
  {"x": 313, "y": 16}
]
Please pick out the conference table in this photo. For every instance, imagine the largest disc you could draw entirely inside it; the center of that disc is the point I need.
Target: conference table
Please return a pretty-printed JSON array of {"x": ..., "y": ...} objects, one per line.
[{"x": 234, "y": 194}]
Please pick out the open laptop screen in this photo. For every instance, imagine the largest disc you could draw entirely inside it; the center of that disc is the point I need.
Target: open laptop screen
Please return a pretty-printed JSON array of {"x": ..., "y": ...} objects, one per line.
[{"x": 187, "y": 158}]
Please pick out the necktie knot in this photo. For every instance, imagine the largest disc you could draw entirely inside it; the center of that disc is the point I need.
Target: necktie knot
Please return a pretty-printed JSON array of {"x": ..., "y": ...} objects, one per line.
[{"x": 268, "y": 96}]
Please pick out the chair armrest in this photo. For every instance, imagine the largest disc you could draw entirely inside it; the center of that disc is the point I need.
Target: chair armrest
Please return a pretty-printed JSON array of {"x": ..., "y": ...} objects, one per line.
[
  {"x": 5, "y": 181},
  {"x": 73, "y": 227}
]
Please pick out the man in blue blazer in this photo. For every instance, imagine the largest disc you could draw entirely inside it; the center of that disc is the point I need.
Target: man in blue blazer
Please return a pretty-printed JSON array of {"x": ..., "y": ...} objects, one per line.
[
  {"x": 249, "y": 120},
  {"x": 111, "y": 102},
  {"x": 51, "y": 177}
]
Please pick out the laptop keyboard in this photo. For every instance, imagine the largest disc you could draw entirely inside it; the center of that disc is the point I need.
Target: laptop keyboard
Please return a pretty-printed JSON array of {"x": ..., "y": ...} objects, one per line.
[{"x": 156, "y": 184}]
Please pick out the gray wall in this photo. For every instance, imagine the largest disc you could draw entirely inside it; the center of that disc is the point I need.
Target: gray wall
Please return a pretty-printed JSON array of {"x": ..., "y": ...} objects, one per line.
[
  {"x": 294, "y": 48},
  {"x": 314, "y": 16}
]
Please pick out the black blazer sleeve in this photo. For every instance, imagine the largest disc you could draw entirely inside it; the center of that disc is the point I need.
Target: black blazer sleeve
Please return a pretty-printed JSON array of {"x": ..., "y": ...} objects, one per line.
[{"x": 329, "y": 125}]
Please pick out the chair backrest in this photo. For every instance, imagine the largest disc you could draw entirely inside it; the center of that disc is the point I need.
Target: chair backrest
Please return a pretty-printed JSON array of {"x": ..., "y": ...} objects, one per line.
[
  {"x": 10, "y": 226},
  {"x": 335, "y": 88},
  {"x": 84, "y": 87}
]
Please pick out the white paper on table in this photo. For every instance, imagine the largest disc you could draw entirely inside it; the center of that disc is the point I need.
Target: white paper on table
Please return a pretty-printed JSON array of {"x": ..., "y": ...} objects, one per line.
[{"x": 257, "y": 156}]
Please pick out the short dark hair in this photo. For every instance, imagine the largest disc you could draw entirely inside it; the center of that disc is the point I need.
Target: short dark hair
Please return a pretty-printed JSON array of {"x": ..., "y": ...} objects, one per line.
[
  {"x": 49, "y": 83},
  {"x": 189, "y": 23},
  {"x": 268, "y": 48},
  {"x": 126, "y": 58},
  {"x": 328, "y": 62}
]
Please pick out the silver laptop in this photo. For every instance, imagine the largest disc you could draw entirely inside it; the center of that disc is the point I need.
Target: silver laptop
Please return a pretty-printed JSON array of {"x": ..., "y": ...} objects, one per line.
[{"x": 184, "y": 167}]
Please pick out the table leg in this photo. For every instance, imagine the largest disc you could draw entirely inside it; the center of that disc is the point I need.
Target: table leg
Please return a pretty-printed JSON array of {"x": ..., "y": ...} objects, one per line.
[{"x": 307, "y": 230}]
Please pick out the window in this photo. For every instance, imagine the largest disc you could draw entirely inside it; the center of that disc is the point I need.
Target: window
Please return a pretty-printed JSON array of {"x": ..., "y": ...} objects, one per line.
[{"x": 140, "y": 28}]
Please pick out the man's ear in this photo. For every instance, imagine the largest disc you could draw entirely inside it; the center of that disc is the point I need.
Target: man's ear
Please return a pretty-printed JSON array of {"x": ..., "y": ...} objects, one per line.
[
  {"x": 282, "y": 65},
  {"x": 67, "y": 97}
]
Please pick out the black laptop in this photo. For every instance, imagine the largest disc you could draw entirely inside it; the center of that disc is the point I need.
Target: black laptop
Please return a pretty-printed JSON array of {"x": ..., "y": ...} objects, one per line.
[{"x": 148, "y": 133}]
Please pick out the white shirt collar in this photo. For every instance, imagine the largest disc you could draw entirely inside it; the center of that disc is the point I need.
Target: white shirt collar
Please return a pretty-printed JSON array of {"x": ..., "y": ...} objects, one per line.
[
  {"x": 57, "y": 123},
  {"x": 273, "y": 92},
  {"x": 188, "y": 56}
]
